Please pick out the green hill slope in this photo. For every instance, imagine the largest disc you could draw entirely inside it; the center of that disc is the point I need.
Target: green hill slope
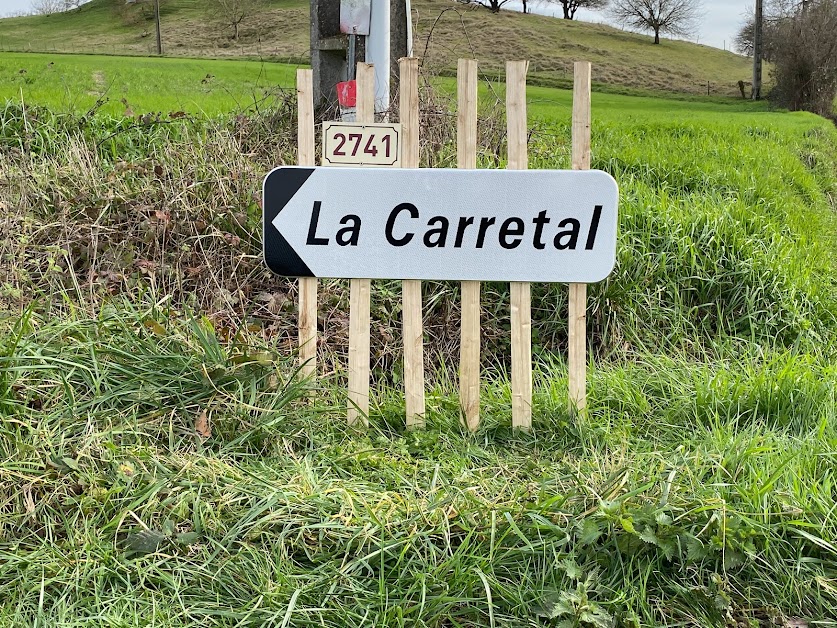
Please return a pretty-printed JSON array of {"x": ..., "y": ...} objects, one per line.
[{"x": 444, "y": 31}]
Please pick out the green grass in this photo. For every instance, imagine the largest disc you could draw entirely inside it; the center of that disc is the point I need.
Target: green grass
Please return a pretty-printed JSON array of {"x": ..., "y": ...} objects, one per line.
[
  {"x": 189, "y": 27},
  {"x": 140, "y": 85},
  {"x": 443, "y": 33},
  {"x": 67, "y": 82},
  {"x": 685, "y": 497},
  {"x": 160, "y": 466}
]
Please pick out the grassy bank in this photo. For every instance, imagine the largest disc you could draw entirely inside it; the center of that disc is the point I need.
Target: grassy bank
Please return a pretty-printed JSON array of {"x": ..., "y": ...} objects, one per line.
[{"x": 164, "y": 468}]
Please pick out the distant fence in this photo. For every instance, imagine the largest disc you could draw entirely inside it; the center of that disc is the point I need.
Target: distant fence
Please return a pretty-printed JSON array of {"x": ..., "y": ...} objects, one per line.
[{"x": 149, "y": 49}]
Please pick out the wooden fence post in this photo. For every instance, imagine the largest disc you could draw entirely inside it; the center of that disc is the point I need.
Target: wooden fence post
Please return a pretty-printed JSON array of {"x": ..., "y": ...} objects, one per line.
[
  {"x": 307, "y": 321},
  {"x": 359, "y": 313},
  {"x": 578, "y": 291},
  {"x": 359, "y": 289},
  {"x": 521, "y": 294},
  {"x": 412, "y": 329},
  {"x": 466, "y": 152}
]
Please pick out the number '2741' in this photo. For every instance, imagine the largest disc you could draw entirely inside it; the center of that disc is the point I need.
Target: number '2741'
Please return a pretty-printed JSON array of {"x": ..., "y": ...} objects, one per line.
[{"x": 350, "y": 144}]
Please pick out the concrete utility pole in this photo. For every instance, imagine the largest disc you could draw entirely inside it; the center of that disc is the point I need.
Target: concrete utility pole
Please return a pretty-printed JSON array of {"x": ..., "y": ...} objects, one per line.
[
  {"x": 329, "y": 46},
  {"x": 377, "y": 51},
  {"x": 757, "y": 50},
  {"x": 157, "y": 22}
]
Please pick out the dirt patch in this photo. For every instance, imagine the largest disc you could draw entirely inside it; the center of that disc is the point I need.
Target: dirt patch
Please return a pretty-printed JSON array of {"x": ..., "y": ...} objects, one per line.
[{"x": 98, "y": 84}]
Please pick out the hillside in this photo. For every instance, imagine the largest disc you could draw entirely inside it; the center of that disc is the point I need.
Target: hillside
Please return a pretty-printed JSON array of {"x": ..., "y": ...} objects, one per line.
[{"x": 280, "y": 32}]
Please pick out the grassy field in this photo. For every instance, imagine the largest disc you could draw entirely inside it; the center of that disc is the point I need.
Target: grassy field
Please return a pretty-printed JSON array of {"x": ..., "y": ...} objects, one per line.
[
  {"x": 116, "y": 85},
  {"x": 128, "y": 86},
  {"x": 161, "y": 466},
  {"x": 444, "y": 31}
]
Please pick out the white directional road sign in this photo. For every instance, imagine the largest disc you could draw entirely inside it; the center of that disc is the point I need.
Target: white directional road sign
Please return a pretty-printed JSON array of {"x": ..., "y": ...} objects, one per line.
[{"x": 484, "y": 225}]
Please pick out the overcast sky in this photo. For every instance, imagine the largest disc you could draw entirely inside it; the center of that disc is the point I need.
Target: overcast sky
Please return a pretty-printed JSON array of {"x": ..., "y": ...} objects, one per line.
[{"x": 718, "y": 27}]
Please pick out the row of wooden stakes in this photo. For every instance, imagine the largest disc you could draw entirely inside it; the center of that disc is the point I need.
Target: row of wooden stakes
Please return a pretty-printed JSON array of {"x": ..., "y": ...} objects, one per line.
[{"x": 521, "y": 317}]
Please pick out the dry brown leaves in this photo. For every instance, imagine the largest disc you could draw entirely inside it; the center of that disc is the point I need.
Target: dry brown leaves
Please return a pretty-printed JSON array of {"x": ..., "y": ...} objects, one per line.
[{"x": 202, "y": 426}]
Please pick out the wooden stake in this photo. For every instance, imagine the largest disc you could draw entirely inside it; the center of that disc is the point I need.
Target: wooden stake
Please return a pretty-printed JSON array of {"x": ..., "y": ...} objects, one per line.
[
  {"x": 521, "y": 294},
  {"x": 466, "y": 153},
  {"x": 578, "y": 291},
  {"x": 359, "y": 289},
  {"x": 365, "y": 93},
  {"x": 307, "y": 285},
  {"x": 411, "y": 289}
]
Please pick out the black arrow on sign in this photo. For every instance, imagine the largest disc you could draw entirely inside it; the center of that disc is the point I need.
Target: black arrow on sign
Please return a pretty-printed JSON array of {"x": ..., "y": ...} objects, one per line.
[{"x": 280, "y": 186}]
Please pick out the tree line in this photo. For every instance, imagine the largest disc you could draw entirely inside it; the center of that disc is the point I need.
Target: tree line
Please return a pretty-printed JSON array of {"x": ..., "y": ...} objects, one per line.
[
  {"x": 799, "y": 39},
  {"x": 670, "y": 17}
]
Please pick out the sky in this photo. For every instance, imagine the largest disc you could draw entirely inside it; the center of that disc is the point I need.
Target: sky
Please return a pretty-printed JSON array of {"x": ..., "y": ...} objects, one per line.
[{"x": 718, "y": 27}]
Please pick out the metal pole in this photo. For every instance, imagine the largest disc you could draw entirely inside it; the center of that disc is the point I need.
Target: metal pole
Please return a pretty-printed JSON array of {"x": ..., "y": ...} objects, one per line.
[
  {"x": 157, "y": 21},
  {"x": 757, "y": 50},
  {"x": 352, "y": 57}
]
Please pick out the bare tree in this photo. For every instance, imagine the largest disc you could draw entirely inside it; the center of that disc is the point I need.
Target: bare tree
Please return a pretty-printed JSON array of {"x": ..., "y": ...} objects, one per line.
[
  {"x": 676, "y": 17},
  {"x": 570, "y": 7},
  {"x": 773, "y": 12},
  {"x": 491, "y": 5},
  {"x": 805, "y": 58},
  {"x": 743, "y": 42},
  {"x": 234, "y": 12},
  {"x": 47, "y": 7}
]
